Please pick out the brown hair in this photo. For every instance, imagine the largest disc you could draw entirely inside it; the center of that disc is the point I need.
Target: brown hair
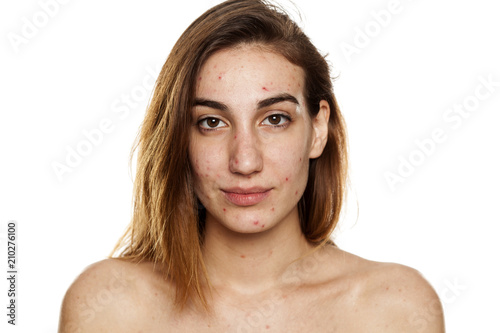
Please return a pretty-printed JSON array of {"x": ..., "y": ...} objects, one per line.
[{"x": 166, "y": 226}]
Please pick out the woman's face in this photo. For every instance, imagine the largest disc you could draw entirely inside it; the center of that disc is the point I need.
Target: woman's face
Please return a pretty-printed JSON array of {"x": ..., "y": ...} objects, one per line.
[{"x": 251, "y": 139}]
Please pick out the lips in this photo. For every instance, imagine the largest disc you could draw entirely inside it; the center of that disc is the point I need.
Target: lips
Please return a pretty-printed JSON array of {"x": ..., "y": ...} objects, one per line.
[{"x": 246, "y": 197}]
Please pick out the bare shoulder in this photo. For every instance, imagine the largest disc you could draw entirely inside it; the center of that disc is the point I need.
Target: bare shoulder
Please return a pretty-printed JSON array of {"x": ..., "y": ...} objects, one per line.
[
  {"x": 392, "y": 297},
  {"x": 106, "y": 297}
]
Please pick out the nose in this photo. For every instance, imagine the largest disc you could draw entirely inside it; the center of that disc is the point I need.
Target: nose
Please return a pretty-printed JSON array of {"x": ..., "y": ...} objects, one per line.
[{"x": 246, "y": 155}]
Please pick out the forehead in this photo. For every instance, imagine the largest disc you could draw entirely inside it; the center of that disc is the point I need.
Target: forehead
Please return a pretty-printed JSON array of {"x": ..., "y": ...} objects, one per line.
[{"x": 248, "y": 71}]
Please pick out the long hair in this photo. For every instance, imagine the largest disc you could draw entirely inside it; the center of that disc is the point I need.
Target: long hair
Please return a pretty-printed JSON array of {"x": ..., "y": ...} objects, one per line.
[{"x": 166, "y": 226}]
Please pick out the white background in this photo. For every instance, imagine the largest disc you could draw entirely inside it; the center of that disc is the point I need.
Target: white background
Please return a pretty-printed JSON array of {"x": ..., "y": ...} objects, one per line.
[{"x": 79, "y": 65}]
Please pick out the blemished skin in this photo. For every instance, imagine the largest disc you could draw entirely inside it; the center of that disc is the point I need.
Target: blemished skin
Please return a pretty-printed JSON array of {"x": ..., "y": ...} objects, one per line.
[{"x": 250, "y": 146}]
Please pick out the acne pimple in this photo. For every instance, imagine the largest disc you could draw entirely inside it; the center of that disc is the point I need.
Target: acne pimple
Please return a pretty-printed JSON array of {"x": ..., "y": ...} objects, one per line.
[
  {"x": 199, "y": 79},
  {"x": 220, "y": 77},
  {"x": 267, "y": 327},
  {"x": 272, "y": 209},
  {"x": 256, "y": 223},
  {"x": 236, "y": 161},
  {"x": 296, "y": 192},
  {"x": 224, "y": 209},
  {"x": 286, "y": 179},
  {"x": 242, "y": 256},
  {"x": 263, "y": 225},
  {"x": 235, "y": 137},
  {"x": 264, "y": 88},
  {"x": 300, "y": 160}
]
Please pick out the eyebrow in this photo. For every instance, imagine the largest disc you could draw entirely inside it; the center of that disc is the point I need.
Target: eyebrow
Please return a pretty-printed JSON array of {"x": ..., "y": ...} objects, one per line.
[{"x": 262, "y": 104}]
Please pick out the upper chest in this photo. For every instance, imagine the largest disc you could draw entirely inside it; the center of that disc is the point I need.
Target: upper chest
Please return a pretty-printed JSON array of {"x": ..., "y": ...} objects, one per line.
[{"x": 322, "y": 310}]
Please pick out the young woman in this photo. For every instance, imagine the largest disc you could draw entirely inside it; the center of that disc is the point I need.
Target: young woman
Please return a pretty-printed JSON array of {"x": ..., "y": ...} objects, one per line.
[{"x": 241, "y": 177}]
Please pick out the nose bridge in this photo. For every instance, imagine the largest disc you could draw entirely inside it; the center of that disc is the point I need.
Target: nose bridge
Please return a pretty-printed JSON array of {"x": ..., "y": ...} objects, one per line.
[{"x": 246, "y": 157}]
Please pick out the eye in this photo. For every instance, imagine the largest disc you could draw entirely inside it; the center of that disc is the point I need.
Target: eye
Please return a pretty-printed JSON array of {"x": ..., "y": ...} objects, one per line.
[
  {"x": 211, "y": 123},
  {"x": 276, "y": 120}
]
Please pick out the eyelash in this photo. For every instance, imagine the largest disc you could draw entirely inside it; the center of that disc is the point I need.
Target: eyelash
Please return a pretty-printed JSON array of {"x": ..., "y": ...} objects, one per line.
[{"x": 206, "y": 128}]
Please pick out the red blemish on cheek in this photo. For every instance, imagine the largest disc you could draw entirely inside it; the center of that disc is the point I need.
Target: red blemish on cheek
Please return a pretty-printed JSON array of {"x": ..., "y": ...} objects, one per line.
[
  {"x": 264, "y": 88},
  {"x": 220, "y": 77},
  {"x": 236, "y": 161},
  {"x": 300, "y": 160},
  {"x": 272, "y": 209},
  {"x": 206, "y": 175},
  {"x": 263, "y": 226},
  {"x": 286, "y": 179},
  {"x": 267, "y": 327},
  {"x": 242, "y": 256},
  {"x": 235, "y": 137},
  {"x": 199, "y": 79},
  {"x": 224, "y": 209},
  {"x": 256, "y": 223},
  {"x": 296, "y": 192}
]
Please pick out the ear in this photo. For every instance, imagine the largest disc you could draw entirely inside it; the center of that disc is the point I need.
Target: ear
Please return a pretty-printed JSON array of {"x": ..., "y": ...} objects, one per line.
[{"x": 320, "y": 130}]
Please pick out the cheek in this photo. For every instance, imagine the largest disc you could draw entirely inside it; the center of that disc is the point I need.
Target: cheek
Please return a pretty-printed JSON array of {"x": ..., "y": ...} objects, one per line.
[
  {"x": 206, "y": 165},
  {"x": 291, "y": 162}
]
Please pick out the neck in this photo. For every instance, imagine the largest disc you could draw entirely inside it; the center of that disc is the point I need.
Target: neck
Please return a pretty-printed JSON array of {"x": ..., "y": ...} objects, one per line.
[{"x": 251, "y": 263}]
